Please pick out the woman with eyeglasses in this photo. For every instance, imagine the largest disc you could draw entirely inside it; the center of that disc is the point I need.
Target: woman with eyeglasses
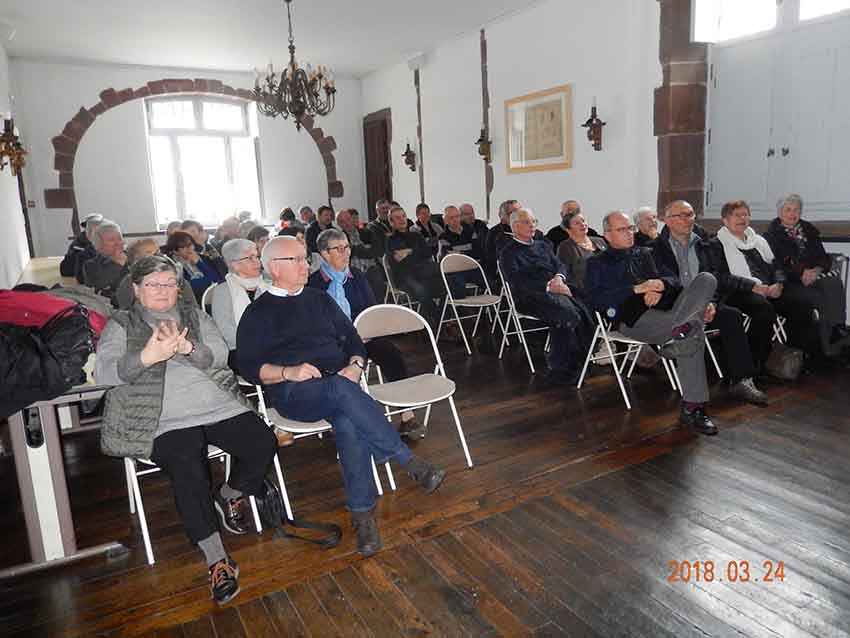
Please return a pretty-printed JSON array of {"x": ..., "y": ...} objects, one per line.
[
  {"x": 350, "y": 289},
  {"x": 173, "y": 396},
  {"x": 197, "y": 270}
]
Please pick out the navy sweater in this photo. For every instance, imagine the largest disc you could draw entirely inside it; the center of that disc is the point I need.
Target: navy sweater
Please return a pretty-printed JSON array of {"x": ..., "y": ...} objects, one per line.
[
  {"x": 357, "y": 290},
  {"x": 308, "y": 327}
]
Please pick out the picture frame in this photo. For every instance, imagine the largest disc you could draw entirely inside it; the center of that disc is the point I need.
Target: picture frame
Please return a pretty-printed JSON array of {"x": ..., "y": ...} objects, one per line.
[{"x": 538, "y": 130}]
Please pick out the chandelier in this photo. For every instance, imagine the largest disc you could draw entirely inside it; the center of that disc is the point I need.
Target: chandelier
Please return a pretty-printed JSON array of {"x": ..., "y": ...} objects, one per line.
[
  {"x": 11, "y": 151},
  {"x": 295, "y": 91}
]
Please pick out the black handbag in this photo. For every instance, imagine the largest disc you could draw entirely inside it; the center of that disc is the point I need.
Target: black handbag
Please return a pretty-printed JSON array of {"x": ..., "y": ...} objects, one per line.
[{"x": 272, "y": 514}]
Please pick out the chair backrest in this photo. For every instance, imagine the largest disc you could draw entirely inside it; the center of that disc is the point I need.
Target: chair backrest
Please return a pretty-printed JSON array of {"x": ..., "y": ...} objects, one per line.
[
  {"x": 385, "y": 320},
  {"x": 388, "y": 273},
  {"x": 457, "y": 262},
  {"x": 506, "y": 289},
  {"x": 206, "y": 299},
  {"x": 841, "y": 264}
]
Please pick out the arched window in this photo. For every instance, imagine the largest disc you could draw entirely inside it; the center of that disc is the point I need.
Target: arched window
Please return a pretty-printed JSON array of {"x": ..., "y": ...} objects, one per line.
[{"x": 203, "y": 154}]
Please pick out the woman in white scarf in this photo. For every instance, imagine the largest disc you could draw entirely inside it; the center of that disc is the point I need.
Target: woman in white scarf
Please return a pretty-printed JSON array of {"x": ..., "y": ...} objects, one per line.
[{"x": 242, "y": 284}]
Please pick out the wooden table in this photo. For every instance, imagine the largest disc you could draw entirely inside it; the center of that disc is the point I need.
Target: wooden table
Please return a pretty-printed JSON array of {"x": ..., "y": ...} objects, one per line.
[{"x": 44, "y": 271}]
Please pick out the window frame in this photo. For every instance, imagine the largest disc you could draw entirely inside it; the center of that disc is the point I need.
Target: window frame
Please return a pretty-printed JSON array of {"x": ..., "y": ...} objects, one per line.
[{"x": 173, "y": 135}]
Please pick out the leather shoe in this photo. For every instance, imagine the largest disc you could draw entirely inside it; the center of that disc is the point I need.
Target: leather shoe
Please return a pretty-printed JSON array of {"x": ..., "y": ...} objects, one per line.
[
  {"x": 366, "y": 528},
  {"x": 428, "y": 476},
  {"x": 697, "y": 420},
  {"x": 411, "y": 428}
]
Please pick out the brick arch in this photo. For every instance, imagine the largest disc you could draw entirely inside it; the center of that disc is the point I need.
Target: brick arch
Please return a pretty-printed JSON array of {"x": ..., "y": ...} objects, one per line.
[{"x": 68, "y": 141}]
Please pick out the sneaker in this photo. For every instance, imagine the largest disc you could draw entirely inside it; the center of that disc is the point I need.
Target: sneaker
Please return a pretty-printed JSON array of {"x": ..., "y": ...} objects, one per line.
[
  {"x": 411, "y": 428},
  {"x": 231, "y": 512},
  {"x": 746, "y": 390},
  {"x": 428, "y": 476},
  {"x": 697, "y": 420},
  {"x": 368, "y": 538},
  {"x": 224, "y": 580}
]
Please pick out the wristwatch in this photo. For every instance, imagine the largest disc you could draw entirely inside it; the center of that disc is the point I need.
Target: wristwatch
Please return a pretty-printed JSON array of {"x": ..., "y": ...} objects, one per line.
[{"x": 359, "y": 364}]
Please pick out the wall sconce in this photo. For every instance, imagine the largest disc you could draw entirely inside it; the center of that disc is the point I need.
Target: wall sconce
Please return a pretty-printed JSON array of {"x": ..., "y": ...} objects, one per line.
[
  {"x": 11, "y": 151},
  {"x": 409, "y": 156},
  {"x": 594, "y": 128},
  {"x": 484, "y": 145}
]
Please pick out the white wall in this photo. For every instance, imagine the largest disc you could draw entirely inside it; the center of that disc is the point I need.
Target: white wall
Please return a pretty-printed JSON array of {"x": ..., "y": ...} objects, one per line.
[
  {"x": 13, "y": 240},
  {"x": 111, "y": 172},
  {"x": 553, "y": 43}
]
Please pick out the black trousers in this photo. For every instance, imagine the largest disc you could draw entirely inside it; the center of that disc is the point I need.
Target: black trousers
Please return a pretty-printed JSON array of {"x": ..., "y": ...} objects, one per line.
[
  {"x": 385, "y": 354},
  {"x": 735, "y": 342},
  {"x": 762, "y": 316},
  {"x": 182, "y": 455}
]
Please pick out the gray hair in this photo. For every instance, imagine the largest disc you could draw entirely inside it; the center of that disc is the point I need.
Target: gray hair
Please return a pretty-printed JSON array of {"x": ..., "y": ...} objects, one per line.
[
  {"x": 681, "y": 202},
  {"x": 234, "y": 249},
  {"x": 152, "y": 264},
  {"x": 327, "y": 236},
  {"x": 643, "y": 210},
  {"x": 505, "y": 206},
  {"x": 270, "y": 250},
  {"x": 606, "y": 221},
  {"x": 515, "y": 215},
  {"x": 791, "y": 198},
  {"x": 106, "y": 226},
  {"x": 91, "y": 227}
]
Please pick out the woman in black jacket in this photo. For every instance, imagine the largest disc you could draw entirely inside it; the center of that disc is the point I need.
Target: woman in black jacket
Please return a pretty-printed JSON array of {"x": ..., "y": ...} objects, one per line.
[{"x": 798, "y": 250}]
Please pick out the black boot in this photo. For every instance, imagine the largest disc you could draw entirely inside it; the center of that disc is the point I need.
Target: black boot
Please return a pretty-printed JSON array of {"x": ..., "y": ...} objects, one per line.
[
  {"x": 428, "y": 476},
  {"x": 366, "y": 528},
  {"x": 696, "y": 419}
]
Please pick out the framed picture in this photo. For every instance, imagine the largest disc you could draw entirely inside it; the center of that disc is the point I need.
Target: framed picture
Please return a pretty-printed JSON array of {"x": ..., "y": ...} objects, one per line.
[{"x": 538, "y": 130}]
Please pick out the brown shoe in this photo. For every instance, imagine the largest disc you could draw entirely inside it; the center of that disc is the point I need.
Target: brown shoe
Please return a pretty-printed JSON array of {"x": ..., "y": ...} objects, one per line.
[
  {"x": 413, "y": 429},
  {"x": 283, "y": 437}
]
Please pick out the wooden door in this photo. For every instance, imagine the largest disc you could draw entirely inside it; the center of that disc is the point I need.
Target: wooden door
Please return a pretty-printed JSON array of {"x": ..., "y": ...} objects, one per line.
[{"x": 377, "y": 134}]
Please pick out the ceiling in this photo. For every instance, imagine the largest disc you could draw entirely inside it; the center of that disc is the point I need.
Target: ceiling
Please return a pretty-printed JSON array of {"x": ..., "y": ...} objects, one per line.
[{"x": 354, "y": 38}]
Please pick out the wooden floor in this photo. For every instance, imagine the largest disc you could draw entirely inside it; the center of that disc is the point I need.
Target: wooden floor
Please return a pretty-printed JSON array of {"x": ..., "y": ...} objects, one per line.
[{"x": 567, "y": 526}]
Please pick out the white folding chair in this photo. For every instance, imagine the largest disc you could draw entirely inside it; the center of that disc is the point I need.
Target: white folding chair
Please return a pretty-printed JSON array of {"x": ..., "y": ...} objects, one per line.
[
  {"x": 604, "y": 335},
  {"x": 300, "y": 430},
  {"x": 399, "y": 297},
  {"x": 206, "y": 298},
  {"x": 779, "y": 334},
  {"x": 420, "y": 391},
  {"x": 458, "y": 263},
  {"x": 517, "y": 318},
  {"x": 134, "y": 493}
]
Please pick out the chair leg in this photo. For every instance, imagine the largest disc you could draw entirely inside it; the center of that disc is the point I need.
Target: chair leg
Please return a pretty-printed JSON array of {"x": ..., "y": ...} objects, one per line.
[
  {"x": 590, "y": 352},
  {"x": 460, "y": 327},
  {"x": 256, "y": 514},
  {"x": 617, "y": 372},
  {"x": 390, "y": 476},
  {"x": 131, "y": 497},
  {"x": 713, "y": 358},
  {"x": 378, "y": 485},
  {"x": 282, "y": 485},
  {"x": 442, "y": 318},
  {"x": 226, "y": 467},
  {"x": 143, "y": 522},
  {"x": 521, "y": 335},
  {"x": 477, "y": 321},
  {"x": 460, "y": 431},
  {"x": 427, "y": 416},
  {"x": 666, "y": 364},
  {"x": 676, "y": 377},
  {"x": 634, "y": 360}
]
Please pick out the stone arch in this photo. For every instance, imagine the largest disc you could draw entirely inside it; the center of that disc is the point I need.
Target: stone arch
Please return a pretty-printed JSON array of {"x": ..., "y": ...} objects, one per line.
[{"x": 65, "y": 144}]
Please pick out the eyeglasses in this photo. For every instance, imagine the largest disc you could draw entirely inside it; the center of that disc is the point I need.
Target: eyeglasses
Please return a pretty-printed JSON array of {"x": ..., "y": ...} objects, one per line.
[
  {"x": 340, "y": 249},
  {"x": 298, "y": 260},
  {"x": 687, "y": 215},
  {"x": 248, "y": 258},
  {"x": 624, "y": 229},
  {"x": 155, "y": 286}
]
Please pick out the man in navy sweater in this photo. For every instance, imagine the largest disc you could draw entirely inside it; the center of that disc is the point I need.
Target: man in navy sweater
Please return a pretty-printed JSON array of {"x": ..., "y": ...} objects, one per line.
[{"x": 304, "y": 350}]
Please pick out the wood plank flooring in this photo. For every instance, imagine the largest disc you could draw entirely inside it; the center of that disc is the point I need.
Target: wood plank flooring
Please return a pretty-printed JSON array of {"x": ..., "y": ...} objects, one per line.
[{"x": 567, "y": 526}]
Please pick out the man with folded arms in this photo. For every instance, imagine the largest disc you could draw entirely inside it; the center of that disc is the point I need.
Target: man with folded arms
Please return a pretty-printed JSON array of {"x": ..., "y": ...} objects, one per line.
[
  {"x": 624, "y": 285},
  {"x": 307, "y": 354}
]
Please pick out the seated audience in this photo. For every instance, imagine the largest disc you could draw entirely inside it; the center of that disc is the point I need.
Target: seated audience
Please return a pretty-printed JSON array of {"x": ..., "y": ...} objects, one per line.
[
  {"x": 427, "y": 228},
  {"x": 292, "y": 231},
  {"x": 124, "y": 295},
  {"x": 479, "y": 228},
  {"x": 246, "y": 227},
  {"x": 202, "y": 246},
  {"x": 299, "y": 344},
  {"x": 498, "y": 236},
  {"x": 624, "y": 285},
  {"x": 259, "y": 235},
  {"x": 457, "y": 238},
  {"x": 306, "y": 216},
  {"x": 361, "y": 251},
  {"x": 106, "y": 270},
  {"x": 324, "y": 220},
  {"x": 750, "y": 263},
  {"x": 197, "y": 270},
  {"x": 577, "y": 248},
  {"x": 287, "y": 217},
  {"x": 646, "y": 220},
  {"x": 355, "y": 217},
  {"x": 413, "y": 267},
  {"x": 379, "y": 229},
  {"x": 227, "y": 230},
  {"x": 798, "y": 250},
  {"x": 174, "y": 395},
  {"x": 684, "y": 249},
  {"x": 81, "y": 249},
  {"x": 538, "y": 284},
  {"x": 349, "y": 288},
  {"x": 558, "y": 233}
]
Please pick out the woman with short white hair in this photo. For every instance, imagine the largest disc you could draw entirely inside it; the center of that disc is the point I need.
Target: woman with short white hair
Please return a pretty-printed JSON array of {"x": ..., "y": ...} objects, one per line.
[
  {"x": 242, "y": 284},
  {"x": 105, "y": 271}
]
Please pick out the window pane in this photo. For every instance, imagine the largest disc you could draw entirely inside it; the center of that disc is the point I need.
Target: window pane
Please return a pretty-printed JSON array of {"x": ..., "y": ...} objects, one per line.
[
  {"x": 172, "y": 114},
  {"x": 219, "y": 116},
  {"x": 162, "y": 173},
  {"x": 815, "y": 8},
  {"x": 205, "y": 183},
  {"x": 246, "y": 187},
  {"x": 739, "y": 18}
]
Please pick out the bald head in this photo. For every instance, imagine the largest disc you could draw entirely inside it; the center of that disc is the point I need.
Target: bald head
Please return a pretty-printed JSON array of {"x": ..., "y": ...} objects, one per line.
[{"x": 285, "y": 259}]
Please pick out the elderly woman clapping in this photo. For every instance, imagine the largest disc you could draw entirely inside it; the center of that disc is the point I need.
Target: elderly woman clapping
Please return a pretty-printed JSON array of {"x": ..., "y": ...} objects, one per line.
[{"x": 174, "y": 395}]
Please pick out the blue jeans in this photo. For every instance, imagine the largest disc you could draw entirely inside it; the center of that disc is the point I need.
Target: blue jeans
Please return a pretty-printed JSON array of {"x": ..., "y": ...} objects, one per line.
[
  {"x": 458, "y": 280},
  {"x": 360, "y": 427}
]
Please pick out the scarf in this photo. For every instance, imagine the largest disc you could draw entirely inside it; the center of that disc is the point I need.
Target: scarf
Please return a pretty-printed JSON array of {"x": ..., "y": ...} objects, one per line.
[
  {"x": 797, "y": 235},
  {"x": 238, "y": 297},
  {"x": 732, "y": 247},
  {"x": 336, "y": 289}
]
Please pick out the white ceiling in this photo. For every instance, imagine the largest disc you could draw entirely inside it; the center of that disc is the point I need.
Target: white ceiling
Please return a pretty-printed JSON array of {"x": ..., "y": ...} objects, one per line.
[{"x": 354, "y": 38}]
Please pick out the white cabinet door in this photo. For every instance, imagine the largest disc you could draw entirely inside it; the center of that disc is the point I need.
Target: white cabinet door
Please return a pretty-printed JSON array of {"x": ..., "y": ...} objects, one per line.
[{"x": 740, "y": 122}]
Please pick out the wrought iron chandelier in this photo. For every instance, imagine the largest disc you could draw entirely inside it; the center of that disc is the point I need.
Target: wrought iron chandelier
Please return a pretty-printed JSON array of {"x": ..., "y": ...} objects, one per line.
[
  {"x": 295, "y": 91},
  {"x": 11, "y": 150}
]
